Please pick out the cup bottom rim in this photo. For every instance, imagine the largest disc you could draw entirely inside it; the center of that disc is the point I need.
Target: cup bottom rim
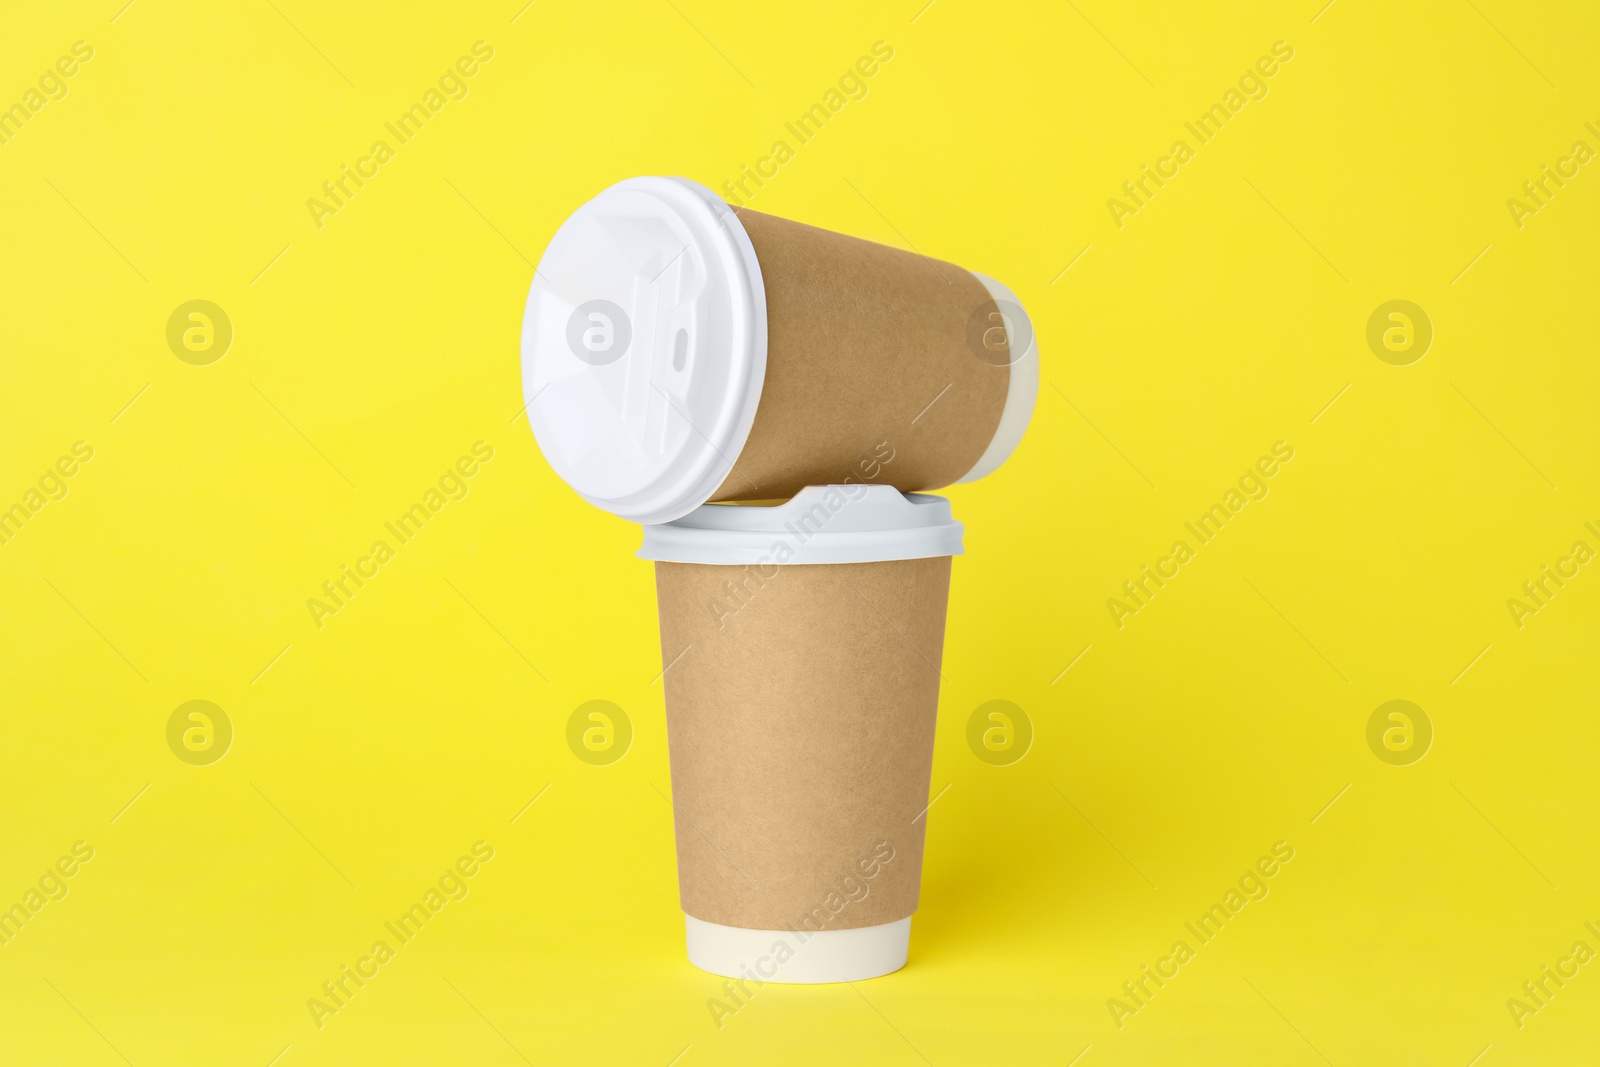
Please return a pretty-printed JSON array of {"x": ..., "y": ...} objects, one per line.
[{"x": 812, "y": 958}]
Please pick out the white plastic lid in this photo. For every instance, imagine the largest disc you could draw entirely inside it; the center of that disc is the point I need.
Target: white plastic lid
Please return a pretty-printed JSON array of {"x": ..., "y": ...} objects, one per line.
[
  {"x": 1022, "y": 389},
  {"x": 855, "y": 523},
  {"x": 809, "y": 957},
  {"x": 644, "y": 347}
]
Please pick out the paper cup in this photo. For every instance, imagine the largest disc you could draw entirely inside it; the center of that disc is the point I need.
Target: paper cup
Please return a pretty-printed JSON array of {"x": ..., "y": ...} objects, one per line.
[
  {"x": 677, "y": 351},
  {"x": 801, "y": 646}
]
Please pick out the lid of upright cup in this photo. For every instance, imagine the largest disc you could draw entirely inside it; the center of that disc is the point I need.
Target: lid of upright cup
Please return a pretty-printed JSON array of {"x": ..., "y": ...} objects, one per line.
[
  {"x": 855, "y": 523},
  {"x": 644, "y": 347}
]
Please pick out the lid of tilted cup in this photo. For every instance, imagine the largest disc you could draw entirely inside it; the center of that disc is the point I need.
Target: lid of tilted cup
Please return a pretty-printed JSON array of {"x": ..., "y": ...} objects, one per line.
[
  {"x": 644, "y": 347},
  {"x": 856, "y": 523}
]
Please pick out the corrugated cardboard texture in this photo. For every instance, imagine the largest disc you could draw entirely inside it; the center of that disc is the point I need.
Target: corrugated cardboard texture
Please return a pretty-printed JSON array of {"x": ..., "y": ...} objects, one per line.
[
  {"x": 861, "y": 340},
  {"x": 801, "y": 736}
]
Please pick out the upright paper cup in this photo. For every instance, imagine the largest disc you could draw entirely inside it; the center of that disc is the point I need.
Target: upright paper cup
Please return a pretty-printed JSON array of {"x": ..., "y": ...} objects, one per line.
[
  {"x": 677, "y": 351},
  {"x": 801, "y": 646}
]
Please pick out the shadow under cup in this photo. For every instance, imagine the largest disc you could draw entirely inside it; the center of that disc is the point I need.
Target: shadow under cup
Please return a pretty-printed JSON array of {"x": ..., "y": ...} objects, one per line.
[{"x": 802, "y": 645}]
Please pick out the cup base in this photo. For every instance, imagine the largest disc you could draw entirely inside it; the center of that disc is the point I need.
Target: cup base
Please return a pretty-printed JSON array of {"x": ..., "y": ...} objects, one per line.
[{"x": 828, "y": 956}]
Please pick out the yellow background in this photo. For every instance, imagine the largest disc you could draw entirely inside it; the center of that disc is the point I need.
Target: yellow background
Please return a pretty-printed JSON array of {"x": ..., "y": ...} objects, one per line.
[{"x": 370, "y": 353}]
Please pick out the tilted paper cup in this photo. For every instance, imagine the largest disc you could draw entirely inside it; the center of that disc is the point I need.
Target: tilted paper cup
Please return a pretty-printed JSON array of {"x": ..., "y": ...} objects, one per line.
[
  {"x": 677, "y": 351},
  {"x": 802, "y": 644}
]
